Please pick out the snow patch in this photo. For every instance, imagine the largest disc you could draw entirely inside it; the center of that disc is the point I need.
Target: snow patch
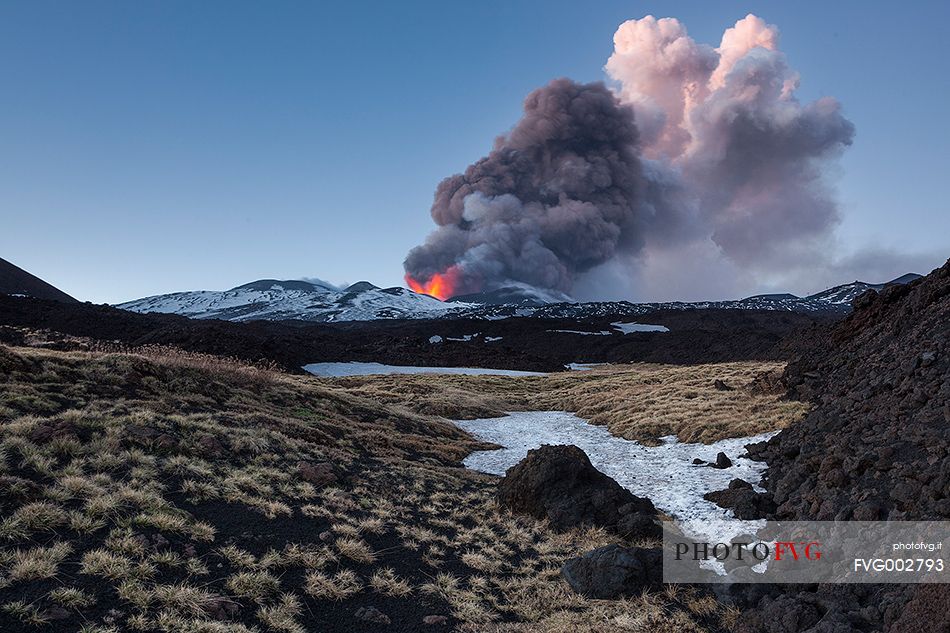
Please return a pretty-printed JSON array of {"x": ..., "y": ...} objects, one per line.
[
  {"x": 627, "y": 328},
  {"x": 338, "y": 370},
  {"x": 583, "y": 366},
  {"x": 665, "y": 474},
  {"x": 583, "y": 332},
  {"x": 465, "y": 338},
  {"x": 492, "y": 339},
  {"x": 435, "y": 339}
]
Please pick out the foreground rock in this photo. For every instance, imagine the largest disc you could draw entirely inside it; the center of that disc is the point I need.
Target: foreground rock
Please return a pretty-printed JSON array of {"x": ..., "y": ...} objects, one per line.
[
  {"x": 319, "y": 474},
  {"x": 558, "y": 483},
  {"x": 614, "y": 571},
  {"x": 722, "y": 461},
  {"x": 745, "y": 503},
  {"x": 875, "y": 447}
]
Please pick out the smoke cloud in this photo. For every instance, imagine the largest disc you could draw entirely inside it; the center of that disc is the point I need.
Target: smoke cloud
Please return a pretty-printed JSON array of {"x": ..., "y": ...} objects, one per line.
[
  {"x": 701, "y": 159},
  {"x": 557, "y": 195}
]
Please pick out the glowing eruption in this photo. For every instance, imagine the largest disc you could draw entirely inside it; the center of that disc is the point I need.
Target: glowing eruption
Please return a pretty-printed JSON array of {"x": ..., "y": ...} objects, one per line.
[
  {"x": 697, "y": 149},
  {"x": 442, "y": 286}
]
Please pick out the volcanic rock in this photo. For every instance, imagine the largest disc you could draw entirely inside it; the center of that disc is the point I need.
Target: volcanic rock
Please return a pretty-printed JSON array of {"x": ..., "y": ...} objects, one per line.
[
  {"x": 372, "y": 614},
  {"x": 613, "y": 571},
  {"x": 744, "y": 502},
  {"x": 722, "y": 461},
  {"x": 874, "y": 447},
  {"x": 210, "y": 445},
  {"x": 57, "y": 613},
  {"x": 781, "y": 614},
  {"x": 558, "y": 483},
  {"x": 925, "y": 611},
  {"x": 319, "y": 474},
  {"x": 876, "y": 442}
]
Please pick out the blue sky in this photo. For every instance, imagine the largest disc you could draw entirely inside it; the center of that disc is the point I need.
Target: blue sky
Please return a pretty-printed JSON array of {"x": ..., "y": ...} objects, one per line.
[{"x": 148, "y": 147}]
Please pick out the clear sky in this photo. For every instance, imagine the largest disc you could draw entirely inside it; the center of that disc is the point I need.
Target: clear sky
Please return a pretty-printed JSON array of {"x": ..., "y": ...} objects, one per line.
[{"x": 149, "y": 147}]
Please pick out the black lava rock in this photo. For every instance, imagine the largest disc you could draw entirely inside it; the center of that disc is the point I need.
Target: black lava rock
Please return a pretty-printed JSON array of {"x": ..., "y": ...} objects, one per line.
[
  {"x": 614, "y": 571},
  {"x": 558, "y": 483}
]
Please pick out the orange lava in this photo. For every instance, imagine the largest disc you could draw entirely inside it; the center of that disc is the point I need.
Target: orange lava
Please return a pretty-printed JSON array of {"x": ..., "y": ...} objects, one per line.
[{"x": 441, "y": 285}]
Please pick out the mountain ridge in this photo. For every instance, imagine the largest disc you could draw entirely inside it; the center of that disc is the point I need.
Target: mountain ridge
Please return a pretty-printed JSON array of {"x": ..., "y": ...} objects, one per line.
[
  {"x": 17, "y": 282},
  {"x": 275, "y": 300}
]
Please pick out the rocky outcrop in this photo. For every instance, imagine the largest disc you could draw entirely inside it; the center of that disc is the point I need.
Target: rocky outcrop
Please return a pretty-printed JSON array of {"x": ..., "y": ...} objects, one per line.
[
  {"x": 558, "y": 483},
  {"x": 926, "y": 610},
  {"x": 875, "y": 447},
  {"x": 745, "y": 503},
  {"x": 614, "y": 571}
]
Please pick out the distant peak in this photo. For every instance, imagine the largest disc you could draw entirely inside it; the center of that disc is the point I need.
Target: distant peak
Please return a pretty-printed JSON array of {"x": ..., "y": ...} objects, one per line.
[
  {"x": 360, "y": 286},
  {"x": 905, "y": 279},
  {"x": 287, "y": 284},
  {"x": 15, "y": 281},
  {"x": 514, "y": 294}
]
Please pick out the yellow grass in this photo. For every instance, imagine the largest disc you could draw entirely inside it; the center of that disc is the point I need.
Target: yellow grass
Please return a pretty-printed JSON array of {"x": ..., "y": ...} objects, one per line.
[
  {"x": 638, "y": 401},
  {"x": 491, "y": 570}
]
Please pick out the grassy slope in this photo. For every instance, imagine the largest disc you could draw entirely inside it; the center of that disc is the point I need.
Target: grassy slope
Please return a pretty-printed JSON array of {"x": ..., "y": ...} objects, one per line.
[
  {"x": 162, "y": 492},
  {"x": 638, "y": 402}
]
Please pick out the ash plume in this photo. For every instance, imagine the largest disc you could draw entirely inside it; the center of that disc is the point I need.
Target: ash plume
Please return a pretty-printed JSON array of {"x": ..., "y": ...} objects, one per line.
[
  {"x": 697, "y": 150},
  {"x": 557, "y": 195}
]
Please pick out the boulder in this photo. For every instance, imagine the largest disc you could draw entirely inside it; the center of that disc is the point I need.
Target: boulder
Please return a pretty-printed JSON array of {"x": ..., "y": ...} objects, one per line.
[
  {"x": 210, "y": 446},
  {"x": 614, "y": 571},
  {"x": 745, "y": 503},
  {"x": 722, "y": 461},
  {"x": 781, "y": 614},
  {"x": 558, "y": 483},
  {"x": 319, "y": 474}
]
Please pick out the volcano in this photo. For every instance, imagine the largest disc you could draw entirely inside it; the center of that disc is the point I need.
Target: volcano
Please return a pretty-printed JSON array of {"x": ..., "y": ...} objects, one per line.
[{"x": 17, "y": 282}]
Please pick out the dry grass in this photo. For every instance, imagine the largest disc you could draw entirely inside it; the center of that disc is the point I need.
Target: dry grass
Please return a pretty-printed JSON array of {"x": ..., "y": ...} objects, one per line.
[
  {"x": 283, "y": 615},
  {"x": 638, "y": 401},
  {"x": 36, "y": 563},
  {"x": 255, "y": 585},
  {"x": 103, "y": 453},
  {"x": 339, "y": 586}
]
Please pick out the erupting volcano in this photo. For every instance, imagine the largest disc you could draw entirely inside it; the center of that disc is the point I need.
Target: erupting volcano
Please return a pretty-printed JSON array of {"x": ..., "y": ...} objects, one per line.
[
  {"x": 442, "y": 286},
  {"x": 696, "y": 162}
]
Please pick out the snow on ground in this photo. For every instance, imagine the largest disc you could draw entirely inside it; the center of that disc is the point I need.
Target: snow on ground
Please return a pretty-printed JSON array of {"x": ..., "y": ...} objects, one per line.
[
  {"x": 465, "y": 338},
  {"x": 583, "y": 366},
  {"x": 492, "y": 339},
  {"x": 435, "y": 339},
  {"x": 627, "y": 328},
  {"x": 583, "y": 332},
  {"x": 337, "y": 370},
  {"x": 297, "y": 300},
  {"x": 665, "y": 474}
]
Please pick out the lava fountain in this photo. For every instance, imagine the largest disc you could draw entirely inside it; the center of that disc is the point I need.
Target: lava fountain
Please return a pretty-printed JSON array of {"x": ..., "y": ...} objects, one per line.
[{"x": 442, "y": 286}]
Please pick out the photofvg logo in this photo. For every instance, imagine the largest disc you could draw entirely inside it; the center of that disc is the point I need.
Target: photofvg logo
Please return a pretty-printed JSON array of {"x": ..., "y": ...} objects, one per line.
[
  {"x": 740, "y": 551},
  {"x": 808, "y": 552}
]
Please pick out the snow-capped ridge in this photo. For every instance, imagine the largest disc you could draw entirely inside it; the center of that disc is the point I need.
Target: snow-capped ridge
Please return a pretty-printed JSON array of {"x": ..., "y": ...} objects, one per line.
[
  {"x": 271, "y": 299},
  {"x": 314, "y": 300}
]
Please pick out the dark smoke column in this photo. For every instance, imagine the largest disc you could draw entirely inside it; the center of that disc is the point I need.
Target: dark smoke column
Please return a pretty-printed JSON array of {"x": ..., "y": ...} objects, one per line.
[{"x": 556, "y": 196}]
